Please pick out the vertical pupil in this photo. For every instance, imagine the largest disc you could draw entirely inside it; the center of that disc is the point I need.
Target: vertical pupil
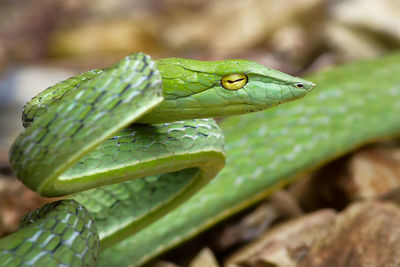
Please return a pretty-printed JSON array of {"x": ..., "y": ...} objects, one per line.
[{"x": 233, "y": 81}]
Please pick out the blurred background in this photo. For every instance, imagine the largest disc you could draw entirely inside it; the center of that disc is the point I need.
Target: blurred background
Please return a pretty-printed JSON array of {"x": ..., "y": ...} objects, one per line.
[{"x": 45, "y": 41}]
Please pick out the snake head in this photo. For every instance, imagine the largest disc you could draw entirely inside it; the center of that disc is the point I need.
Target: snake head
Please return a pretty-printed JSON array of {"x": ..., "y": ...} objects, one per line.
[
  {"x": 199, "y": 89},
  {"x": 255, "y": 87}
]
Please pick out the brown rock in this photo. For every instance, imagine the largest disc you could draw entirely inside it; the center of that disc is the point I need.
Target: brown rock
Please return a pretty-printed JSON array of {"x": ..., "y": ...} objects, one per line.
[
  {"x": 365, "y": 234},
  {"x": 370, "y": 172},
  {"x": 204, "y": 258},
  {"x": 284, "y": 244}
]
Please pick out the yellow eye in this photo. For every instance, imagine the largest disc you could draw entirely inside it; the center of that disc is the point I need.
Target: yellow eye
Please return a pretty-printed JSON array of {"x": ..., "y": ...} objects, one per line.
[{"x": 234, "y": 81}]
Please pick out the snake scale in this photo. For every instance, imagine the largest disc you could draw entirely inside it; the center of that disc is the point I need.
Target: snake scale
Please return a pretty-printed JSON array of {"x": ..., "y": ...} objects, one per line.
[{"x": 63, "y": 151}]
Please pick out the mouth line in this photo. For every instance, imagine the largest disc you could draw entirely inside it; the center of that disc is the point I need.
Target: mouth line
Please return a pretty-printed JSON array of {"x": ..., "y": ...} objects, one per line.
[{"x": 312, "y": 86}]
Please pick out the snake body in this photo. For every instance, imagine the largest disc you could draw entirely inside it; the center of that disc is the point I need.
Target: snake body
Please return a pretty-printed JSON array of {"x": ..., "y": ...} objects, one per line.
[
  {"x": 136, "y": 119},
  {"x": 354, "y": 104}
]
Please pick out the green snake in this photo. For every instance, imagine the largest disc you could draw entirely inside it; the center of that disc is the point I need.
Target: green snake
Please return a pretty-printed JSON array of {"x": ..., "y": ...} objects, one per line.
[{"x": 94, "y": 130}]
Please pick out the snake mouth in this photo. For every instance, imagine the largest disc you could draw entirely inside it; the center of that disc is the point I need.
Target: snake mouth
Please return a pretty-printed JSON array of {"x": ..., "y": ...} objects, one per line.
[{"x": 311, "y": 87}]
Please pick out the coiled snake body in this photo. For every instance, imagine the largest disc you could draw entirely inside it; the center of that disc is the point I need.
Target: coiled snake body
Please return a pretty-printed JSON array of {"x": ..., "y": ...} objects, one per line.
[{"x": 63, "y": 150}]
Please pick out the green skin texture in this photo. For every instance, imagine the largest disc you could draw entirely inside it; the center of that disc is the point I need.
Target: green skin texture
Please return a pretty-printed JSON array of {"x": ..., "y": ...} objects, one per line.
[
  {"x": 80, "y": 136},
  {"x": 354, "y": 104}
]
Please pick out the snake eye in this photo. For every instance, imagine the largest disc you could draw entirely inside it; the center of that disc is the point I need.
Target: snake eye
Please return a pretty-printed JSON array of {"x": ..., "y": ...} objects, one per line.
[
  {"x": 299, "y": 85},
  {"x": 234, "y": 81}
]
